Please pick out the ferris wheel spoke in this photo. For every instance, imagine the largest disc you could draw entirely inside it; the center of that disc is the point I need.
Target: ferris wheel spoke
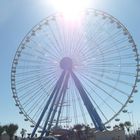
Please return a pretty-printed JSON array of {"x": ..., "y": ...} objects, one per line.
[
  {"x": 34, "y": 86},
  {"x": 123, "y": 46},
  {"x": 57, "y": 38},
  {"x": 108, "y": 58},
  {"x": 33, "y": 78},
  {"x": 89, "y": 106},
  {"x": 62, "y": 35},
  {"x": 31, "y": 74},
  {"x": 40, "y": 108},
  {"x": 79, "y": 44},
  {"x": 49, "y": 84},
  {"x": 105, "y": 83},
  {"x": 97, "y": 30},
  {"x": 108, "y": 65},
  {"x": 62, "y": 102},
  {"x": 103, "y": 100},
  {"x": 55, "y": 103},
  {"x": 113, "y": 59},
  {"x": 68, "y": 110},
  {"x": 97, "y": 106},
  {"x": 111, "y": 35},
  {"x": 99, "y": 35},
  {"x": 34, "y": 104},
  {"x": 84, "y": 50},
  {"x": 119, "y": 42},
  {"x": 72, "y": 38},
  {"x": 114, "y": 72},
  {"x": 38, "y": 87},
  {"x": 109, "y": 38},
  {"x": 51, "y": 44},
  {"x": 82, "y": 45},
  {"x": 57, "y": 46},
  {"x": 28, "y": 67},
  {"x": 45, "y": 50},
  {"x": 28, "y": 54},
  {"x": 76, "y": 40},
  {"x": 32, "y": 97},
  {"x": 89, "y": 80},
  {"x": 27, "y": 73},
  {"x": 87, "y": 52},
  {"x": 110, "y": 78},
  {"x": 111, "y": 52},
  {"x": 30, "y": 61},
  {"x": 33, "y": 71},
  {"x": 34, "y": 83},
  {"x": 51, "y": 99},
  {"x": 37, "y": 51},
  {"x": 38, "y": 101},
  {"x": 50, "y": 48},
  {"x": 75, "y": 109},
  {"x": 81, "y": 109}
]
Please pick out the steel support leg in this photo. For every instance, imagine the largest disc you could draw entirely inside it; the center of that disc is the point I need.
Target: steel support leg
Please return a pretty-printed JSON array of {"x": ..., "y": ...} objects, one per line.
[
  {"x": 90, "y": 108},
  {"x": 47, "y": 104}
]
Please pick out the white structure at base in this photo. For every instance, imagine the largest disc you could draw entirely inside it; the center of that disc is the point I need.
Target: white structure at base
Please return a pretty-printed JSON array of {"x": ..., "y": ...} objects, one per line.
[{"x": 109, "y": 135}]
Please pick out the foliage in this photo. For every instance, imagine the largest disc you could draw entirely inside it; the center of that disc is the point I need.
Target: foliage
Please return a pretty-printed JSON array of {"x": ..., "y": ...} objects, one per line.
[
  {"x": 126, "y": 125},
  {"x": 11, "y": 130},
  {"x": 1, "y": 130},
  {"x": 121, "y": 125},
  {"x": 78, "y": 127},
  {"x": 82, "y": 131}
]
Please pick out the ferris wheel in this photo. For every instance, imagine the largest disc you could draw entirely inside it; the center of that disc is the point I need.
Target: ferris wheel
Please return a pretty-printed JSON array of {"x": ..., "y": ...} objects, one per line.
[{"x": 75, "y": 72}]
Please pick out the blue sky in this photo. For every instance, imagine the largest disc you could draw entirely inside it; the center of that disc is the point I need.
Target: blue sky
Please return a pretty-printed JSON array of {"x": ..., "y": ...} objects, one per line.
[{"x": 18, "y": 17}]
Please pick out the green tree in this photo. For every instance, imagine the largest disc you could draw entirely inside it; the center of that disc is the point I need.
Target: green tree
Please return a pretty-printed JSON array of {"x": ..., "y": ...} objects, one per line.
[
  {"x": 128, "y": 124},
  {"x": 11, "y": 130},
  {"x": 121, "y": 125},
  {"x": 1, "y": 130}
]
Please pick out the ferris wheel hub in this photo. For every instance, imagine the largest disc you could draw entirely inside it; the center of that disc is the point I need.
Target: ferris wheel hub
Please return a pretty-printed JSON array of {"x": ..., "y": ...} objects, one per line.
[{"x": 66, "y": 63}]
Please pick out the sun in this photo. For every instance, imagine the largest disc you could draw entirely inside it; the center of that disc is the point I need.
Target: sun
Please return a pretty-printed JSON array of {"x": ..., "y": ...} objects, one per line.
[{"x": 70, "y": 8}]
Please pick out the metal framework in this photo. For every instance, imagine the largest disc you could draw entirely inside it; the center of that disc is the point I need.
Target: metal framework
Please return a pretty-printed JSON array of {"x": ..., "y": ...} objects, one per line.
[
  {"x": 58, "y": 95},
  {"x": 79, "y": 72}
]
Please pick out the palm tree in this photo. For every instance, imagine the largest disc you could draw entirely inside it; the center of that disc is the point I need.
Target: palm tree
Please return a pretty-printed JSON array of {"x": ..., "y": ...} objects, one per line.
[
  {"x": 11, "y": 130},
  {"x": 121, "y": 125},
  {"x": 1, "y": 130},
  {"x": 127, "y": 124}
]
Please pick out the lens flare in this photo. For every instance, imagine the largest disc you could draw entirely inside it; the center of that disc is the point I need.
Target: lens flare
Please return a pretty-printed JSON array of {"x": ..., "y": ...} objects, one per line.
[{"x": 70, "y": 8}]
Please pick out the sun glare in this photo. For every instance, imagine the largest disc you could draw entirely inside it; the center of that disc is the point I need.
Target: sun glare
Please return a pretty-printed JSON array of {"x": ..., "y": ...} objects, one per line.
[{"x": 70, "y": 8}]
